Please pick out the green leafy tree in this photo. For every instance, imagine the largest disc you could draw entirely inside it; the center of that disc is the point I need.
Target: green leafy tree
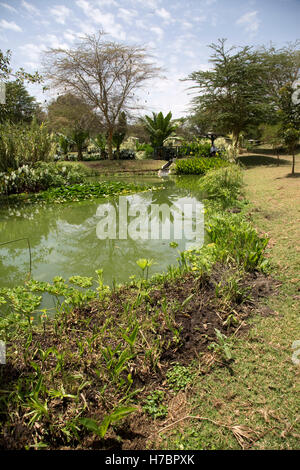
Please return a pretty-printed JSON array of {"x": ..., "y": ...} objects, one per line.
[
  {"x": 19, "y": 105},
  {"x": 233, "y": 94},
  {"x": 282, "y": 67},
  {"x": 68, "y": 110},
  {"x": 291, "y": 138},
  {"x": 159, "y": 128},
  {"x": 6, "y": 72}
]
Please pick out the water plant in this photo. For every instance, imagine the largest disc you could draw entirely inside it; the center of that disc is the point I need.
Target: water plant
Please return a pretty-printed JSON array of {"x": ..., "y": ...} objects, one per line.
[
  {"x": 198, "y": 166},
  {"x": 145, "y": 264}
]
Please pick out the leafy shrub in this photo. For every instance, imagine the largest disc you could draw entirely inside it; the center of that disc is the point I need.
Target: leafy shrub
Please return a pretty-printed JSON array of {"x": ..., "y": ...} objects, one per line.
[
  {"x": 125, "y": 154},
  {"x": 236, "y": 240},
  {"x": 147, "y": 149},
  {"x": 225, "y": 184},
  {"x": 196, "y": 148},
  {"x": 23, "y": 144},
  {"x": 198, "y": 166},
  {"x": 40, "y": 177},
  {"x": 179, "y": 377},
  {"x": 154, "y": 406}
]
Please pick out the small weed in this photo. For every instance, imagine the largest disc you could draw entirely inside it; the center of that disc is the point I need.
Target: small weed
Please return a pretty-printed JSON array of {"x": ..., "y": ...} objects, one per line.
[
  {"x": 179, "y": 377},
  {"x": 222, "y": 346},
  {"x": 154, "y": 405}
]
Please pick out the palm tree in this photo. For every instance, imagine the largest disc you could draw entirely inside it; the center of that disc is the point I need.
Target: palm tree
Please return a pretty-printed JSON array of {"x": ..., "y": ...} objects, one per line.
[
  {"x": 158, "y": 128},
  {"x": 100, "y": 142},
  {"x": 79, "y": 137}
]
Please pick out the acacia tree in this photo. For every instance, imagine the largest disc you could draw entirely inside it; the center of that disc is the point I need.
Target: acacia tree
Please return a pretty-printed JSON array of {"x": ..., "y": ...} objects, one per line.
[
  {"x": 104, "y": 74},
  {"x": 233, "y": 93},
  {"x": 283, "y": 67}
]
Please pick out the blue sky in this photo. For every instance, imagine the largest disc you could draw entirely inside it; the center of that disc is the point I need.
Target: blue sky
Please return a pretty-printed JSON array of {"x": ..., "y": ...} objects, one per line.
[{"x": 175, "y": 32}]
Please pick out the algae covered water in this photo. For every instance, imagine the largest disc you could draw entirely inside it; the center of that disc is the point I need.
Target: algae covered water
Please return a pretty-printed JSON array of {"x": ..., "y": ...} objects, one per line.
[{"x": 65, "y": 239}]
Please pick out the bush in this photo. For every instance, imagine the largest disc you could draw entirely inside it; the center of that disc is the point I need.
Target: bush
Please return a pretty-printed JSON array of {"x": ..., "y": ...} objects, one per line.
[
  {"x": 198, "y": 166},
  {"x": 40, "y": 177},
  {"x": 23, "y": 144},
  {"x": 196, "y": 148},
  {"x": 225, "y": 184},
  {"x": 125, "y": 154},
  {"x": 146, "y": 149},
  {"x": 236, "y": 240}
]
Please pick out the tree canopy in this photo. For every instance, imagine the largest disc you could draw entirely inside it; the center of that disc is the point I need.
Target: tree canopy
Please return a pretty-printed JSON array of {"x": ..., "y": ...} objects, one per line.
[
  {"x": 68, "y": 111},
  {"x": 104, "y": 74},
  {"x": 19, "y": 105},
  {"x": 243, "y": 88}
]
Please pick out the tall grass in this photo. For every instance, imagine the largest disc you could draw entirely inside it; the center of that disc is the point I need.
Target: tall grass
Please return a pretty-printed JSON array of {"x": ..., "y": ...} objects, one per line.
[{"x": 24, "y": 144}]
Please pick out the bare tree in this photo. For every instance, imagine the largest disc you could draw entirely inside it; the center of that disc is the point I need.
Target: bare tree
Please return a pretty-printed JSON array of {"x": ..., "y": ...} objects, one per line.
[{"x": 105, "y": 74}]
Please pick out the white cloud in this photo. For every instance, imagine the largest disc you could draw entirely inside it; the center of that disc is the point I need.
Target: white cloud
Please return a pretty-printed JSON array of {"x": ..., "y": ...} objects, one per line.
[
  {"x": 71, "y": 35},
  {"x": 187, "y": 25},
  {"x": 148, "y": 3},
  {"x": 32, "y": 52},
  {"x": 51, "y": 40},
  {"x": 164, "y": 14},
  {"x": 158, "y": 31},
  {"x": 141, "y": 24},
  {"x": 106, "y": 20},
  {"x": 249, "y": 21},
  {"x": 102, "y": 3},
  {"x": 127, "y": 15},
  {"x": 30, "y": 8},
  {"x": 9, "y": 7},
  {"x": 10, "y": 25},
  {"x": 60, "y": 12}
]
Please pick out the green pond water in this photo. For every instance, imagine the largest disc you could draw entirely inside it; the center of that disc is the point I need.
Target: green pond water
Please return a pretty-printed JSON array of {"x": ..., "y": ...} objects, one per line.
[{"x": 64, "y": 237}]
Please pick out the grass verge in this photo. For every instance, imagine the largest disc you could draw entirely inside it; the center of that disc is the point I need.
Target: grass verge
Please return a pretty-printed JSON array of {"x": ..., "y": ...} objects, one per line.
[{"x": 256, "y": 404}]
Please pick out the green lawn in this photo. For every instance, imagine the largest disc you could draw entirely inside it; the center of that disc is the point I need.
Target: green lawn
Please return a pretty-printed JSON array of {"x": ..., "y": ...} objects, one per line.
[
  {"x": 256, "y": 403},
  {"x": 125, "y": 166}
]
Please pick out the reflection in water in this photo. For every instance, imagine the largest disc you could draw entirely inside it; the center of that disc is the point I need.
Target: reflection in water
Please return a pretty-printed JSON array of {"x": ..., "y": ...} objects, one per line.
[{"x": 64, "y": 240}]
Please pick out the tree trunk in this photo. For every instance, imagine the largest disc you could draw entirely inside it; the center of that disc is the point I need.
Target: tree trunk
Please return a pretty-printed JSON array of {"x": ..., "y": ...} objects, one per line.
[
  {"x": 293, "y": 165},
  {"x": 109, "y": 144},
  {"x": 235, "y": 142}
]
